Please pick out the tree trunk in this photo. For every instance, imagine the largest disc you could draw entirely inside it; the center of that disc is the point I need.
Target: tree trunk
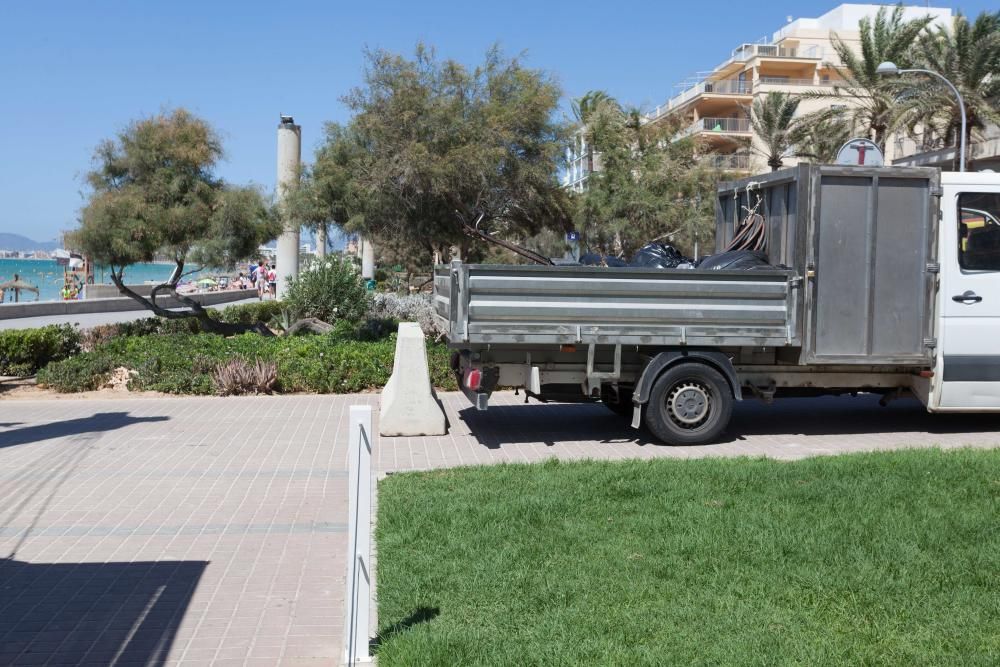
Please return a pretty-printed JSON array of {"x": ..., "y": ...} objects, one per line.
[
  {"x": 321, "y": 234},
  {"x": 880, "y": 137},
  {"x": 195, "y": 309},
  {"x": 310, "y": 324}
]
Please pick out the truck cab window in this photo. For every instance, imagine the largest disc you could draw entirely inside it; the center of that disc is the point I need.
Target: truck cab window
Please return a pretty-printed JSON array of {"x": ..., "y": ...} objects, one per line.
[{"x": 979, "y": 231}]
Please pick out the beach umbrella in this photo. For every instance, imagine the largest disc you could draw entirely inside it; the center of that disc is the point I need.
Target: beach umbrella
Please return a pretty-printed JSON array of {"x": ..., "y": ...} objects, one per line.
[
  {"x": 18, "y": 286},
  {"x": 207, "y": 281}
]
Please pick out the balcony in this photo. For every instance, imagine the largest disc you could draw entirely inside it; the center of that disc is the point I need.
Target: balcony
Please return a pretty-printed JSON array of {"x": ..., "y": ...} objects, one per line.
[
  {"x": 727, "y": 87},
  {"x": 720, "y": 126},
  {"x": 746, "y": 52},
  {"x": 730, "y": 162},
  {"x": 721, "y": 87},
  {"x": 787, "y": 81}
]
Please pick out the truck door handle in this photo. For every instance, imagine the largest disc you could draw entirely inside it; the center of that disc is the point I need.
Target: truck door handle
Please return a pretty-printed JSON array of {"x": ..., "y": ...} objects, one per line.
[{"x": 967, "y": 297}]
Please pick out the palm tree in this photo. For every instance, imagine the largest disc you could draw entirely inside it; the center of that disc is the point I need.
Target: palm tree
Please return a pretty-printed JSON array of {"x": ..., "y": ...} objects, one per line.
[
  {"x": 968, "y": 55},
  {"x": 586, "y": 108},
  {"x": 586, "y": 105},
  {"x": 887, "y": 38},
  {"x": 772, "y": 119},
  {"x": 819, "y": 139}
]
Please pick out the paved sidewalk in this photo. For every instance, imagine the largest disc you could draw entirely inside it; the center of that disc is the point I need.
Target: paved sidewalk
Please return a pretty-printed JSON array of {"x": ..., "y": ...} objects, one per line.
[
  {"x": 212, "y": 530},
  {"x": 85, "y": 320}
]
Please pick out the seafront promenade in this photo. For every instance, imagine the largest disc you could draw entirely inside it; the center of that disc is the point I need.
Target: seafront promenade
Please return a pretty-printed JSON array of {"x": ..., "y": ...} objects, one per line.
[
  {"x": 94, "y": 316},
  {"x": 195, "y": 531}
]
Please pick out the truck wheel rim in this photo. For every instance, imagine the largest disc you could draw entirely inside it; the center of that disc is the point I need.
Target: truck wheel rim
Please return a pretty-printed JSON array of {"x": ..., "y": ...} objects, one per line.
[{"x": 688, "y": 404}]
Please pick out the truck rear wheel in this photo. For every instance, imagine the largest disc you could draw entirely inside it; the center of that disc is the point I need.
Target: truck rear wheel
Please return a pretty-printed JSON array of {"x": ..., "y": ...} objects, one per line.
[{"x": 690, "y": 404}]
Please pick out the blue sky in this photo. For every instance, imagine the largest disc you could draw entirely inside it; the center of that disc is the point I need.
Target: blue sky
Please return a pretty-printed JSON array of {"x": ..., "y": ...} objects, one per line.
[{"x": 73, "y": 73}]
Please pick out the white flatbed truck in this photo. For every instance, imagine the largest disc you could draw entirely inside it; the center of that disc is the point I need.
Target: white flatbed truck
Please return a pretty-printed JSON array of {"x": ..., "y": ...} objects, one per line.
[{"x": 886, "y": 280}]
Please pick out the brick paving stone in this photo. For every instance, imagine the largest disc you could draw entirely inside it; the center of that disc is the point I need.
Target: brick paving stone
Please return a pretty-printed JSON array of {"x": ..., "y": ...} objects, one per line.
[{"x": 196, "y": 531}]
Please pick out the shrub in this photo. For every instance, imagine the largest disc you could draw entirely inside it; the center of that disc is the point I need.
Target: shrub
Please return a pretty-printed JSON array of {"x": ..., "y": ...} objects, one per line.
[
  {"x": 251, "y": 313},
  {"x": 330, "y": 290},
  {"x": 83, "y": 372},
  {"x": 283, "y": 321},
  {"x": 236, "y": 376},
  {"x": 24, "y": 351},
  {"x": 414, "y": 308},
  {"x": 94, "y": 337},
  {"x": 337, "y": 362}
]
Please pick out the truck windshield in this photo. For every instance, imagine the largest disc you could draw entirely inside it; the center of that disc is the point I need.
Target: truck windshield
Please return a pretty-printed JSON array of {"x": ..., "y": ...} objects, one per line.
[{"x": 979, "y": 231}]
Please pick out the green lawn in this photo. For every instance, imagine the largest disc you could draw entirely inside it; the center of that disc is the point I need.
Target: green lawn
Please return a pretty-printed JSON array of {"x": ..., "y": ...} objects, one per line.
[{"x": 887, "y": 558}]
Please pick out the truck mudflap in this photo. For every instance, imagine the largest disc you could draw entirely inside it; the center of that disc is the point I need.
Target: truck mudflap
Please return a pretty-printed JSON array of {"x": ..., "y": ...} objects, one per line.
[{"x": 665, "y": 360}]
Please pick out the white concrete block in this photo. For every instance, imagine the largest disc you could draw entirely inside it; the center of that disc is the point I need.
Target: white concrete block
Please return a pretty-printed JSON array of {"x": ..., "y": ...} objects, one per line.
[{"x": 408, "y": 403}]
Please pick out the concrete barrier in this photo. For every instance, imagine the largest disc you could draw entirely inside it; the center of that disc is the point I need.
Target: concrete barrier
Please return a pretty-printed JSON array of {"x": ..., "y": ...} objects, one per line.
[
  {"x": 408, "y": 404},
  {"x": 10, "y": 311},
  {"x": 111, "y": 292}
]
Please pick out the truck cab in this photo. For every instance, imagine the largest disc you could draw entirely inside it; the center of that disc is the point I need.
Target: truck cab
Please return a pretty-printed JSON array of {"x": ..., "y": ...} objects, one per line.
[{"x": 966, "y": 374}]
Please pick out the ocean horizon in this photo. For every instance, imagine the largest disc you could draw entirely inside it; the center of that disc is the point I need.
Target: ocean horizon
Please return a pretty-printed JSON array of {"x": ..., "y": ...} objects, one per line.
[{"x": 47, "y": 276}]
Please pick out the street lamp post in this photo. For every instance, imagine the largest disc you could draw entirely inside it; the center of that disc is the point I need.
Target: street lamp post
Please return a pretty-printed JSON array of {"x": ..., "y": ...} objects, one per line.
[{"x": 890, "y": 68}]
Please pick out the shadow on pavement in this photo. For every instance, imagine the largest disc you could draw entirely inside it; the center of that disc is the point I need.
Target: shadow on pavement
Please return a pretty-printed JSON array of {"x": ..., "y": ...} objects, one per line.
[
  {"x": 102, "y": 421},
  {"x": 550, "y": 423},
  {"x": 828, "y": 415},
  {"x": 849, "y": 415},
  {"x": 93, "y": 613}
]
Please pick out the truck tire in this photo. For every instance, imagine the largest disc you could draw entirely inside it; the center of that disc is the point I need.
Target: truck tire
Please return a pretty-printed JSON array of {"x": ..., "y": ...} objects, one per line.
[
  {"x": 690, "y": 404},
  {"x": 619, "y": 403}
]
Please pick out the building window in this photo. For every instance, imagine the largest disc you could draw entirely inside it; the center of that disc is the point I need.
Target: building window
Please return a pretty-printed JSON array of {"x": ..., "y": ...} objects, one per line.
[{"x": 979, "y": 231}]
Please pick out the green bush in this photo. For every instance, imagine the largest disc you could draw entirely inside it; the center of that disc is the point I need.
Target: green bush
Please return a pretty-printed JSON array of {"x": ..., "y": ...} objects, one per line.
[
  {"x": 251, "y": 313},
  {"x": 94, "y": 337},
  {"x": 183, "y": 363},
  {"x": 24, "y": 351},
  {"x": 83, "y": 372},
  {"x": 330, "y": 290}
]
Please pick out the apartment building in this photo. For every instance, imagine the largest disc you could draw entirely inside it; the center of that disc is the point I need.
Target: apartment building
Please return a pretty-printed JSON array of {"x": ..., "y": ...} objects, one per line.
[{"x": 798, "y": 57}]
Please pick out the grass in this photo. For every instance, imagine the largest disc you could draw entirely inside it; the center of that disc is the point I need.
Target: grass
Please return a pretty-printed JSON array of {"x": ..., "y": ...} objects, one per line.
[{"x": 884, "y": 558}]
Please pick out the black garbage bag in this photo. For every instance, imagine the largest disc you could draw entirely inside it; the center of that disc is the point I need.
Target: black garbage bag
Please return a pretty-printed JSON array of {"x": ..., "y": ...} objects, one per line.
[
  {"x": 734, "y": 260},
  {"x": 658, "y": 256},
  {"x": 594, "y": 259}
]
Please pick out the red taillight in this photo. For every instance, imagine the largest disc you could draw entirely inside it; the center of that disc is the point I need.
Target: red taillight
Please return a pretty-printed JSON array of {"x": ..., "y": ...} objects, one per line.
[{"x": 473, "y": 379}]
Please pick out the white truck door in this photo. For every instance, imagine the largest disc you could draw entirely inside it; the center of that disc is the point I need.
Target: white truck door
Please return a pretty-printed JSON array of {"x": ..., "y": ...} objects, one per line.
[{"x": 969, "y": 367}]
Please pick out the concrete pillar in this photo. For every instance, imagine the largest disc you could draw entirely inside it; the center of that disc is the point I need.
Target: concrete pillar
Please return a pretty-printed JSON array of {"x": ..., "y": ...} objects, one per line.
[
  {"x": 367, "y": 257},
  {"x": 321, "y": 241},
  {"x": 289, "y": 157}
]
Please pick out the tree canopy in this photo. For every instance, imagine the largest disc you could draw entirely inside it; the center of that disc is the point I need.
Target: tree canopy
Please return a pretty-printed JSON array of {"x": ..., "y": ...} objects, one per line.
[
  {"x": 650, "y": 185},
  {"x": 154, "y": 194},
  {"x": 435, "y": 146},
  {"x": 967, "y": 54},
  {"x": 875, "y": 110},
  {"x": 772, "y": 118}
]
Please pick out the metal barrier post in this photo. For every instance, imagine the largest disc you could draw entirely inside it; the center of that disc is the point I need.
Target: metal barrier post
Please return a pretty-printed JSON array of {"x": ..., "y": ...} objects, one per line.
[{"x": 359, "y": 574}]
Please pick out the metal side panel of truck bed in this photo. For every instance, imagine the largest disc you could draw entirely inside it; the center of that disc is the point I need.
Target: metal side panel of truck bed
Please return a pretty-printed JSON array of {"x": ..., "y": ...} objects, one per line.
[{"x": 482, "y": 305}]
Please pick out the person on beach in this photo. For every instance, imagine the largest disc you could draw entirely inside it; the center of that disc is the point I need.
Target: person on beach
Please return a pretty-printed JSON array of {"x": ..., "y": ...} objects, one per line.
[
  {"x": 272, "y": 281},
  {"x": 260, "y": 278}
]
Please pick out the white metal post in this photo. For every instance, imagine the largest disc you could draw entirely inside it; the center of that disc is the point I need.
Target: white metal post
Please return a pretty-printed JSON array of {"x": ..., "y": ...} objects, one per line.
[{"x": 359, "y": 574}]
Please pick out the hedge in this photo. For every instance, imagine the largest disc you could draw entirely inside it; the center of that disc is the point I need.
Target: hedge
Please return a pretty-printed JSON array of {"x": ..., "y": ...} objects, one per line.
[
  {"x": 24, "y": 351},
  {"x": 183, "y": 363}
]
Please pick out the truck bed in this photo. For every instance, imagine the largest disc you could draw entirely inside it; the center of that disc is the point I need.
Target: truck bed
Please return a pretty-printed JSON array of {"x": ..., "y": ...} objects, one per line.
[{"x": 480, "y": 305}]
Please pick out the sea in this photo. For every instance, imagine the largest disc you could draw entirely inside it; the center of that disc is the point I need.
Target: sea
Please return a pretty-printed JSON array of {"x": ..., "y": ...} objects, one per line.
[{"x": 47, "y": 275}]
